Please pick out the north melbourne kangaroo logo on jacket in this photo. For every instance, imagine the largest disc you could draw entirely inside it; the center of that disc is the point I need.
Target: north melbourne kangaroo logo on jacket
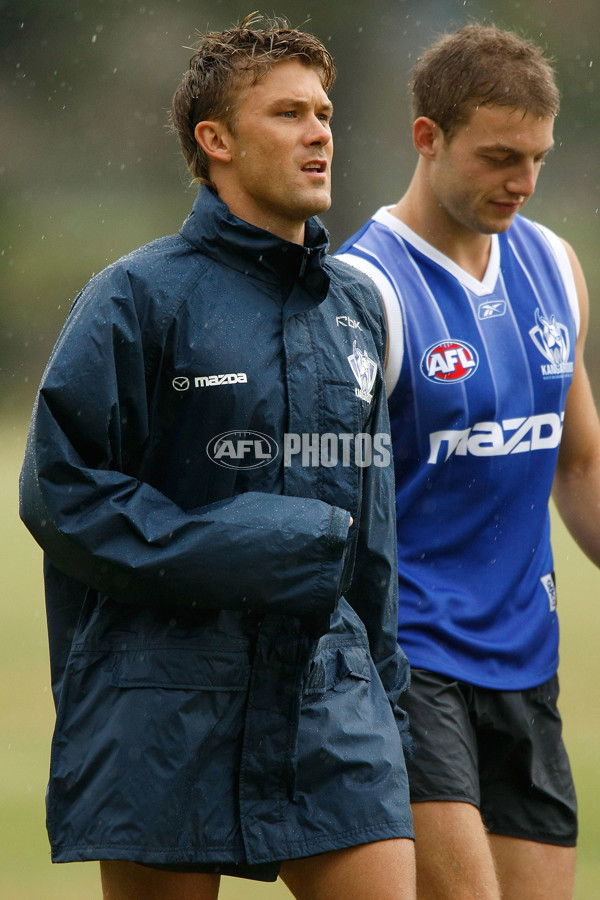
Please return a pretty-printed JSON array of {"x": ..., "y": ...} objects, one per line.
[{"x": 365, "y": 372}]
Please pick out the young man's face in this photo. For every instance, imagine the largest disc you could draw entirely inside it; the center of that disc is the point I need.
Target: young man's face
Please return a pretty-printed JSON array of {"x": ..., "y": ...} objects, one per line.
[
  {"x": 488, "y": 170},
  {"x": 280, "y": 169}
]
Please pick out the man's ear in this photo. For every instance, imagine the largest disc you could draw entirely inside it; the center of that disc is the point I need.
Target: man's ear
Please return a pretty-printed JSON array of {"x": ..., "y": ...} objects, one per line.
[
  {"x": 214, "y": 138},
  {"x": 426, "y": 136}
]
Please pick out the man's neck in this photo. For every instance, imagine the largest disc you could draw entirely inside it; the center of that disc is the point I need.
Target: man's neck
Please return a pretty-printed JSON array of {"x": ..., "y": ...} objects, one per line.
[{"x": 467, "y": 248}]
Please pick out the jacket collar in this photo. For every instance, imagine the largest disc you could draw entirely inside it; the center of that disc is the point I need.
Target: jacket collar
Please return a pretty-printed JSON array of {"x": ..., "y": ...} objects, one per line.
[{"x": 215, "y": 231}]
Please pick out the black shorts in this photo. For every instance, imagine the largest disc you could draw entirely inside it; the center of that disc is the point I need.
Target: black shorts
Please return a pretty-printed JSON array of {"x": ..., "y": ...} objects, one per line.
[{"x": 502, "y": 751}]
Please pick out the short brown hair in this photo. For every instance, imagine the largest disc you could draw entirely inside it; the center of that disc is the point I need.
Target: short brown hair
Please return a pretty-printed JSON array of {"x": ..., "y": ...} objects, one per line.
[
  {"x": 481, "y": 65},
  {"x": 227, "y": 61}
]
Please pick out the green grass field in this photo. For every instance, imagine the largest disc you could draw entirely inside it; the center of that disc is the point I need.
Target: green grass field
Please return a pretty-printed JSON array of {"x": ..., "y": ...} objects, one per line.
[{"x": 27, "y": 712}]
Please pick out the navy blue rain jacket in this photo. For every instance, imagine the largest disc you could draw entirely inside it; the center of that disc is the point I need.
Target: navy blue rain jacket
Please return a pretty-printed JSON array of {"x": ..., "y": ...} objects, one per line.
[{"x": 223, "y": 642}]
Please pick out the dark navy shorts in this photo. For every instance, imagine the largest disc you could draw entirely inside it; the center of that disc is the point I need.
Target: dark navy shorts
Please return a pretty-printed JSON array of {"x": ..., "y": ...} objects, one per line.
[{"x": 502, "y": 751}]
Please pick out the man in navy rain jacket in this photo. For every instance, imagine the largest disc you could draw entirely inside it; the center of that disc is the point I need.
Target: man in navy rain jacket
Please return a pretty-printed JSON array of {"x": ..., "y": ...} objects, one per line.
[{"x": 208, "y": 473}]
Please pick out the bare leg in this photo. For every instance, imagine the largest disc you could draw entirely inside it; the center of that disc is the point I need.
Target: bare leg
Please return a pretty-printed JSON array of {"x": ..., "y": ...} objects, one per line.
[
  {"x": 383, "y": 870},
  {"x": 454, "y": 859},
  {"x": 528, "y": 870},
  {"x": 128, "y": 881}
]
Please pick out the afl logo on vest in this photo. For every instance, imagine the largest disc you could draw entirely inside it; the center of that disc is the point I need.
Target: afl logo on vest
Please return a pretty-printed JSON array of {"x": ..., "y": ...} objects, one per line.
[{"x": 449, "y": 362}]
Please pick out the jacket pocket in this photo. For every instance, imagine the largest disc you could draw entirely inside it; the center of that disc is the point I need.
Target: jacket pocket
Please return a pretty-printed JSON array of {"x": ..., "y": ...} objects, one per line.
[
  {"x": 179, "y": 669},
  {"x": 145, "y": 752},
  {"x": 335, "y": 668}
]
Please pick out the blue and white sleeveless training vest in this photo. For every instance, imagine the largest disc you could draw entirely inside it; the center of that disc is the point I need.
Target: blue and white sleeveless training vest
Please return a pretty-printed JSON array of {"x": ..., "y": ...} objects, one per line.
[{"x": 477, "y": 378}]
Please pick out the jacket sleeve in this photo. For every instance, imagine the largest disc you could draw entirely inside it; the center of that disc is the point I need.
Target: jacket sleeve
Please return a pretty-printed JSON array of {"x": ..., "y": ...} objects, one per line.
[{"x": 102, "y": 526}]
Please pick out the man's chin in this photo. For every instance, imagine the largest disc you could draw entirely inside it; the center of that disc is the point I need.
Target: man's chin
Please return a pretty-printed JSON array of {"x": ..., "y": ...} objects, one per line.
[
  {"x": 320, "y": 205},
  {"x": 498, "y": 226}
]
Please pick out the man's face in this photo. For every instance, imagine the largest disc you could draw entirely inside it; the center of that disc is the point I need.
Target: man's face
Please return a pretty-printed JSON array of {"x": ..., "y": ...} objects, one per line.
[
  {"x": 280, "y": 169},
  {"x": 488, "y": 170}
]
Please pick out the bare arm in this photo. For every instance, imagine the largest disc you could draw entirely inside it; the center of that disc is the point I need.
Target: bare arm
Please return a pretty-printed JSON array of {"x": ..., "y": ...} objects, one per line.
[{"x": 576, "y": 489}]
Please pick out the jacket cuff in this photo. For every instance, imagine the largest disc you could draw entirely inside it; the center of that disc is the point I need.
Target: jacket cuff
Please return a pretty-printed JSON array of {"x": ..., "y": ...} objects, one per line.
[{"x": 339, "y": 525}]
